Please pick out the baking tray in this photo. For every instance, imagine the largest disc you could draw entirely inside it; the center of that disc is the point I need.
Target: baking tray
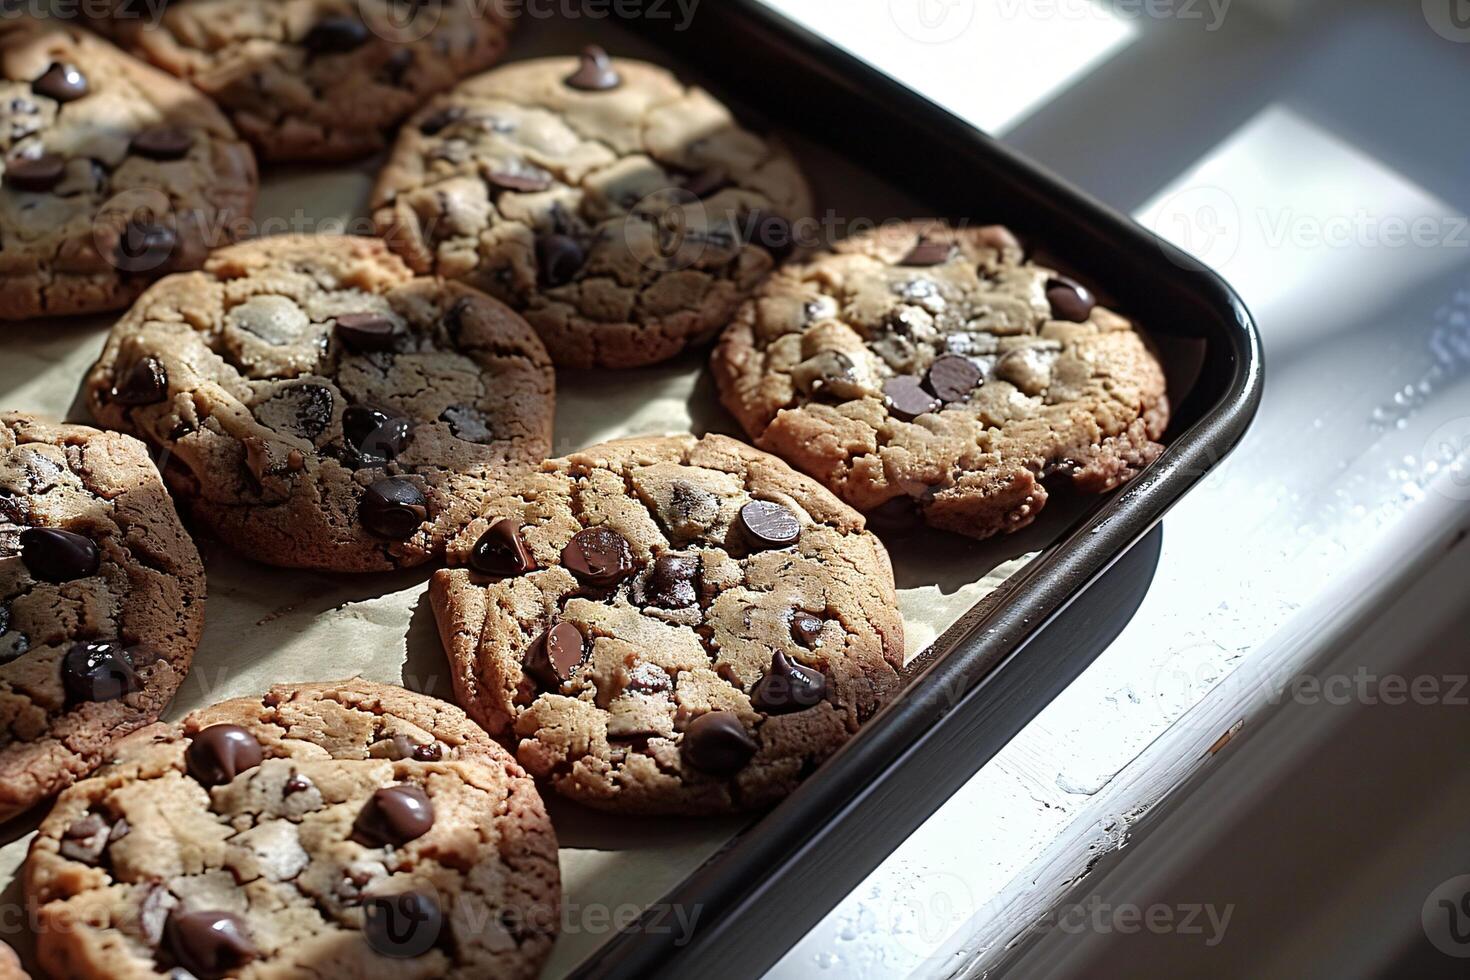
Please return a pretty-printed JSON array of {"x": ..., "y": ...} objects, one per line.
[{"x": 753, "y": 885}]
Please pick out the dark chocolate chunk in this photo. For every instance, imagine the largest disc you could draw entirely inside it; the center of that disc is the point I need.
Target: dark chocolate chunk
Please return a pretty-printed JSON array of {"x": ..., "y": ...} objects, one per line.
[
  {"x": 595, "y": 73},
  {"x": 555, "y": 655},
  {"x": 928, "y": 251},
  {"x": 402, "y": 926},
  {"x": 162, "y": 143},
  {"x": 53, "y": 555},
  {"x": 769, "y": 525},
  {"x": 394, "y": 816},
  {"x": 806, "y": 629},
  {"x": 86, "y": 838},
  {"x": 363, "y": 332},
  {"x": 1069, "y": 299},
  {"x": 598, "y": 556},
  {"x": 144, "y": 246},
  {"x": 393, "y": 508},
  {"x": 428, "y": 752},
  {"x": 219, "y": 753},
  {"x": 502, "y": 551},
  {"x": 373, "y": 437},
  {"x": 953, "y": 378},
  {"x": 335, "y": 34},
  {"x": 718, "y": 744},
  {"x": 145, "y": 383},
  {"x": 672, "y": 582},
  {"x": 788, "y": 686},
  {"x": 62, "y": 82},
  {"x": 907, "y": 399},
  {"x": 297, "y": 784},
  {"x": 35, "y": 174},
  {"x": 559, "y": 258},
  {"x": 209, "y": 944},
  {"x": 98, "y": 671}
]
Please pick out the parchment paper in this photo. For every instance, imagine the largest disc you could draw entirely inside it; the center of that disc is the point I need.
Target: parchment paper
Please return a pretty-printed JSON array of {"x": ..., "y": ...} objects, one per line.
[{"x": 266, "y": 625}]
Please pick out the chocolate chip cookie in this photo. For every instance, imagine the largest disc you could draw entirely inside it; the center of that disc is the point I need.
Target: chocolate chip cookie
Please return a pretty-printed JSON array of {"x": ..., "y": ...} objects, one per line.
[
  {"x": 319, "y": 406},
  {"x": 670, "y": 625},
  {"x": 291, "y": 835},
  {"x": 111, "y": 173},
  {"x": 315, "y": 79},
  {"x": 624, "y": 213},
  {"x": 101, "y": 601},
  {"x": 931, "y": 371}
]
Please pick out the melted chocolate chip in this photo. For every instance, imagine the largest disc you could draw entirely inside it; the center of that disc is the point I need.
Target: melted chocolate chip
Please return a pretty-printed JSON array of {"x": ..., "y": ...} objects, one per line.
[
  {"x": 771, "y": 232},
  {"x": 393, "y": 816},
  {"x": 672, "y": 582},
  {"x": 806, "y": 629},
  {"x": 98, "y": 671},
  {"x": 928, "y": 252},
  {"x": 595, "y": 73},
  {"x": 502, "y": 551},
  {"x": 219, "y": 753},
  {"x": 769, "y": 525},
  {"x": 437, "y": 122},
  {"x": 1069, "y": 299},
  {"x": 559, "y": 258},
  {"x": 35, "y": 174},
  {"x": 86, "y": 838},
  {"x": 402, "y": 926},
  {"x": 162, "y": 143},
  {"x": 953, "y": 378},
  {"x": 373, "y": 437},
  {"x": 145, "y": 383},
  {"x": 144, "y": 246},
  {"x": 907, "y": 399},
  {"x": 598, "y": 556},
  {"x": 718, "y": 744},
  {"x": 210, "y": 944},
  {"x": 335, "y": 34},
  {"x": 296, "y": 784},
  {"x": 393, "y": 508},
  {"x": 363, "y": 332},
  {"x": 62, "y": 82},
  {"x": 53, "y": 555},
  {"x": 788, "y": 686},
  {"x": 555, "y": 655},
  {"x": 428, "y": 752}
]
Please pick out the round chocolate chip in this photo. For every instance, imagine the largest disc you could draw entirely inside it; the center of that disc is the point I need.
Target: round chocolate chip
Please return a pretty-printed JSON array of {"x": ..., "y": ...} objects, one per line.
[
  {"x": 718, "y": 744},
  {"x": 953, "y": 378},
  {"x": 1069, "y": 299},
  {"x": 209, "y": 944},
  {"x": 907, "y": 399},
  {"x": 555, "y": 655},
  {"x": 145, "y": 383},
  {"x": 595, "y": 73},
  {"x": 35, "y": 174},
  {"x": 672, "y": 582},
  {"x": 502, "y": 551},
  {"x": 788, "y": 686},
  {"x": 53, "y": 555},
  {"x": 62, "y": 82},
  {"x": 598, "y": 556},
  {"x": 771, "y": 232},
  {"x": 98, "y": 671},
  {"x": 296, "y": 784},
  {"x": 335, "y": 34},
  {"x": 806, "y": 629},
  {"x": 928, "y": 251},
  {"x": 363, "y": 332},
  {"x": 769, "y": 525},
  {"x": 219, "y": 753},
  {"x": 560, "y": 258},
  {"x": 393, "y": 508},
  {"x": 394, "y": 816},
  {"x": 143, "y": 246},
  {"x": 162, "y": 143},
  {"x": 373, "y": 437},
  {"x": 402, "y": 926}
]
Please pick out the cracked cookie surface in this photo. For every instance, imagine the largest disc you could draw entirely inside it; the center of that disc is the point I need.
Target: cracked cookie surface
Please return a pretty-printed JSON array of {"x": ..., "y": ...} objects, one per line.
[
  {"x": 921, "y": 368},
  {"x": 101, "y": 601},
  {"x": 669, "y": 625},
  {"x": 316, "y": 79},
  {"x": 303, "y": 833},
  {"x": 625, "y": 214},
  {"x": 320, "y": 406},
  {"x": 112, "y": 173}
]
